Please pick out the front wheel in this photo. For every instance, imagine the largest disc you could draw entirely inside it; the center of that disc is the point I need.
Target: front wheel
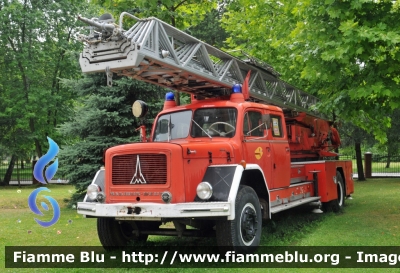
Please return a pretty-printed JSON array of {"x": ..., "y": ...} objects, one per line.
[
  {"x": 243, "y": 234},
  {"x": 114, "y": 233}
]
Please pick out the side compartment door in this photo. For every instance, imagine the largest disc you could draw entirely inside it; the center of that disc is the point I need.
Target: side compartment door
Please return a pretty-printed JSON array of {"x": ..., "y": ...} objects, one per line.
[
  {"x": 256, "y": 147},
  {"x": 280, "y": 152}
]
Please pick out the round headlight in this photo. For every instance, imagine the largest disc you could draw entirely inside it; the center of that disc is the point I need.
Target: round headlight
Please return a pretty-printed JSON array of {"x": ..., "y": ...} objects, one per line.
[
  {"x": 92, "y": 191},
  {"x": 139, "y": 109},
  {"x": 204, "y": 190}
]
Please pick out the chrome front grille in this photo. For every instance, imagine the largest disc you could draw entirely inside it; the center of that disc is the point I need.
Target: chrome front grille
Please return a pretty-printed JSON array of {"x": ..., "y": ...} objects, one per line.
[{"x": 139, "y": 169}]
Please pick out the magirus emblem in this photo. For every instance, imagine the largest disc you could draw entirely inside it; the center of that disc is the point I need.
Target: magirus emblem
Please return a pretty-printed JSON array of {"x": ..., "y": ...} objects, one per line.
[{"x": 138, "y": 177}]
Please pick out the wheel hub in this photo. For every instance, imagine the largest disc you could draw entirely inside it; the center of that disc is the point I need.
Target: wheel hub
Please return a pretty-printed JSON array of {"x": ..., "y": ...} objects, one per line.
[{"x": 248, "y": 223}]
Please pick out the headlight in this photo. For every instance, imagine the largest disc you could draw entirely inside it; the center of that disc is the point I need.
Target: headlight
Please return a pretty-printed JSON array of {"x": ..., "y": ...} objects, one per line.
[
  {"x": 204, "y": 190},
  {"x": 92, "y": 191}
]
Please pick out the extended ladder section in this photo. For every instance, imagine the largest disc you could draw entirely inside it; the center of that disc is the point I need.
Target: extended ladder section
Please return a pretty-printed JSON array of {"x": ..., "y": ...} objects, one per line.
[{"x": 154, "y": 51}]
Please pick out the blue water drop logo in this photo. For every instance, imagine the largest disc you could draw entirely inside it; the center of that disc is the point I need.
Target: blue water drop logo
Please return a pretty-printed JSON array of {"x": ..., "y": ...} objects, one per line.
[
  {"x": 43, "y": 161},
  {"x": 49, "y": 173},
  {"x": 32, "y": 205}
]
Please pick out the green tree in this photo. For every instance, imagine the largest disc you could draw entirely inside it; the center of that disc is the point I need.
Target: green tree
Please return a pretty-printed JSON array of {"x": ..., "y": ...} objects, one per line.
[
  {"x": 255, "y": 27},
  {"x": 210, "y": 30},
  {"x": 392, "y": 147},
  {"x": 36, "y": 45},
  {"x": 103, "y": 119},
  {"x": 346, "y": 52},
  {"x": 356, "y": 137},
  {"x": 178, "y": 13}
]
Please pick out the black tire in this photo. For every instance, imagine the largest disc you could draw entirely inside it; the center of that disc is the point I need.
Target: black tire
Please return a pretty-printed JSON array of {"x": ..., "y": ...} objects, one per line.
[
  {"x": 337, "y": 204},
  {"x": 114, "y": 233},
  {"x": 243, "y": 234}
]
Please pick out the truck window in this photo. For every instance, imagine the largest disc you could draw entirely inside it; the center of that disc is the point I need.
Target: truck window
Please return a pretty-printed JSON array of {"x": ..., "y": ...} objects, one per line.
[
  {"x": 252, "y": 120},
  {"x": 276, "y": 123},
  {"x": 173, "y": 126},
  {"x": 214, "y": 122}
]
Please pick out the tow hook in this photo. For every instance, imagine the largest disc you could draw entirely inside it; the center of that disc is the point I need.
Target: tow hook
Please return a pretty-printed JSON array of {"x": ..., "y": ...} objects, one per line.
[{"x": 135, "y": 210}]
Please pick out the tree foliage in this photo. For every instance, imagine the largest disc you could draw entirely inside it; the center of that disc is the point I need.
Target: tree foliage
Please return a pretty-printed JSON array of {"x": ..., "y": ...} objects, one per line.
[
  {"x": 179, "y": 13},
  {"x": 37, "y": 49},
  {"x": 346, "y": 52},
  {"x": 36, "y": 44},
  {"x": 210, "y": 29}
]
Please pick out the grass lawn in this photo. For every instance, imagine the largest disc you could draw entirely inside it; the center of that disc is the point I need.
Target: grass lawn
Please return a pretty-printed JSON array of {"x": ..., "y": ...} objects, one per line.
[{"x": 372, "y": 218}]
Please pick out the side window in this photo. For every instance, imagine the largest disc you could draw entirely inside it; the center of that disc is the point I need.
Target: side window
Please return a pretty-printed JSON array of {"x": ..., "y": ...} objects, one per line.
[
  {"x": 252, "y": 124},
  {"x": 276, "y": 128}
]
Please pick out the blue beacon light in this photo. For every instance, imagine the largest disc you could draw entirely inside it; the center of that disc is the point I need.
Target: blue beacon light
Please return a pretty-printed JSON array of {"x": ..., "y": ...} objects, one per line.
[
  {"x": 237, "y": 88},
  {"x": 169, "y": 96}
]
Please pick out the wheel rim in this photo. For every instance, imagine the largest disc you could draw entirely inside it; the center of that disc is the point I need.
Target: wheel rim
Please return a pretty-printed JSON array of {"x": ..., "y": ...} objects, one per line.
[
  {"x": 340, "y": 194},
  {"x": 248, "y": 224}
]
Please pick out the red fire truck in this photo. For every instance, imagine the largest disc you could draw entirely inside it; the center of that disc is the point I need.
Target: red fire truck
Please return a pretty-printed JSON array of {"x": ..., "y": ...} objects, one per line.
[{"x": 249, "y": 145}]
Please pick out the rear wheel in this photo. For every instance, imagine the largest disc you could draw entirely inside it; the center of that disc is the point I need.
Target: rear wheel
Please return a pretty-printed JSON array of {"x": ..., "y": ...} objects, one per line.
[
  {"x": 244, "y": 233},
  {"x": 114, "y": 233},
  {"x": 337, "y": 204}
]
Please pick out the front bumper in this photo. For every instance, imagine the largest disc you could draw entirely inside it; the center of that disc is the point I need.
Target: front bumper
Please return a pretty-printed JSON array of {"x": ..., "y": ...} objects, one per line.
[{"x": 155, "y": 211}]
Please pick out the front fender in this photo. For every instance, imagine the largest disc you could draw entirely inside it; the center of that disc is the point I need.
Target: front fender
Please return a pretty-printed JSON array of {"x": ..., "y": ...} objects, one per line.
[
  {"x": 237, "y": 180},
  {"x": 225, "y": 181}
]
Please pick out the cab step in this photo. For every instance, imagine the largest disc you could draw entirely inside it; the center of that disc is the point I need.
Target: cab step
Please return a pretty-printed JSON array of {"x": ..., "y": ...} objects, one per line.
[{"x": 293, "y": 204}]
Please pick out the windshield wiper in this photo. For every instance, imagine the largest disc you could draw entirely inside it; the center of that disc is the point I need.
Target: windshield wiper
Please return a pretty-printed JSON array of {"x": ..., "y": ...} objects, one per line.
[
  {"x": 201, "y": 129},
  {"x": 249, "y": 132}
]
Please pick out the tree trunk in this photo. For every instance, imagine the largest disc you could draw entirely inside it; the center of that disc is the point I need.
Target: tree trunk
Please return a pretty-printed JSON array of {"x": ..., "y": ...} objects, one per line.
[
  {"x": 360, "y": 169},
  {"x": 7, "y": 176},
  {"x": 388, "y": 160},
  {"x": 18, "y": 175}
]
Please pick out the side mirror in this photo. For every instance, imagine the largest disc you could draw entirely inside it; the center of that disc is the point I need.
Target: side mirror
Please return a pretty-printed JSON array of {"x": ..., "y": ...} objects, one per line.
[
  {"x": 163, "y": 125},
  {"x": 266, "y": 119},
  {"x": 139, "y": 109}
]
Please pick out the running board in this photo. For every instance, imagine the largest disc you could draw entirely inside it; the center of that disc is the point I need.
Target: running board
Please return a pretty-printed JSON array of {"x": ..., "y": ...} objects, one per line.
[{"x": 294, "y": 204}]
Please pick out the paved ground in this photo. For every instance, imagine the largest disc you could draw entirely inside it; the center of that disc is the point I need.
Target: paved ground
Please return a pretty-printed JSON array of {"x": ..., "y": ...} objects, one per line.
[
  {"x": 59, "y": 181},
  {"x": 381, "y": 175}
]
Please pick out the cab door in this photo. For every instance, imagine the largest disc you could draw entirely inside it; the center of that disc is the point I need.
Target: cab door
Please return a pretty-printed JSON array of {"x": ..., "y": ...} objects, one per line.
[
  {"x": 256, "y": 146},
  {"x": 280, "y": 152}
]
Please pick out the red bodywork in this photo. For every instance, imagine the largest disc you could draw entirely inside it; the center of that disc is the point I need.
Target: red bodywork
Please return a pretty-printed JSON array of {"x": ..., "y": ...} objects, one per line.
[{"x": 287, "y": 153}]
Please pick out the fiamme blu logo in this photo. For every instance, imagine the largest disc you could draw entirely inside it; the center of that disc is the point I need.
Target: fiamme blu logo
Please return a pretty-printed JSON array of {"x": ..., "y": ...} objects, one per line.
[{"x": 44, "y": 173}]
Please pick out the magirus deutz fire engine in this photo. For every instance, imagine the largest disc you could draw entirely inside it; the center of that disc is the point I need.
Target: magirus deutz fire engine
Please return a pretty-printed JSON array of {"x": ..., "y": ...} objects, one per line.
[{"x": 249, "y": 145}]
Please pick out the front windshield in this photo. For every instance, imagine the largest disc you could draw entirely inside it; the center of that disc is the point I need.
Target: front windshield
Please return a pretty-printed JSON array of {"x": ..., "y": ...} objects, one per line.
[
  {"x": 214, "y": 122},
  {"x": 173, "y": 126}
]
